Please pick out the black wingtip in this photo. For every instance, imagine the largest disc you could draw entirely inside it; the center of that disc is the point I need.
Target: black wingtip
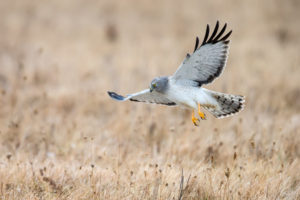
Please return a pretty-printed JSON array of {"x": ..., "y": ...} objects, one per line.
[
  {"x": 196, "y": 44},
  {"x": 214, "y": 33},
  {"x": 215, "y": 38},
  {"x": 226, "y": 36},
  {"x": 116, "y": 96},
  {"x": 221, "y": 32},
  {"x": 206, "y": 35}
]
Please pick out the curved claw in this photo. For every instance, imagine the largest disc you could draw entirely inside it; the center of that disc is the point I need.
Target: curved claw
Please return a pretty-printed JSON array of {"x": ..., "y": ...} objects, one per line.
[
  {"x": 201, "y": 114},
  {"x": 195, "y": 120}
]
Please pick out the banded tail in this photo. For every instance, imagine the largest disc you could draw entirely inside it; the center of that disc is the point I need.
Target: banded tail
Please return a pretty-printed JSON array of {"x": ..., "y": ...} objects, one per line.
[{"x": 228, "y": 104}]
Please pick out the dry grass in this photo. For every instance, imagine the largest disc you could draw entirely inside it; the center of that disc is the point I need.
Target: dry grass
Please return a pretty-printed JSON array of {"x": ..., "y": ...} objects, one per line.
[{"x": 62, "y": 137}]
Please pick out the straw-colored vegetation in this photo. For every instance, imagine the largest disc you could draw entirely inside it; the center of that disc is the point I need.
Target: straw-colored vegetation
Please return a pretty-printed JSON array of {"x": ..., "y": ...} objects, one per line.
[{"x": 62, "y": 137}]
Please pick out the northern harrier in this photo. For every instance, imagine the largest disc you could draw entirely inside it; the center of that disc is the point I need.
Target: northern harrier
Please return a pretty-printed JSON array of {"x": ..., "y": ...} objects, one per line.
[{"x": 184, "y": 87}]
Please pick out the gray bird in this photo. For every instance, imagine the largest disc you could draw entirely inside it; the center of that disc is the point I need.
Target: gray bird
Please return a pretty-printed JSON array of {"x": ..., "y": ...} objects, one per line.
[{"x": 184, "y": 88}]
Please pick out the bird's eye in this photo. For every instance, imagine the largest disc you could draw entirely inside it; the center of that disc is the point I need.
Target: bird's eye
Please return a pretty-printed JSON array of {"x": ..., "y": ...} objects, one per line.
[{"x": 154, "y": 85}]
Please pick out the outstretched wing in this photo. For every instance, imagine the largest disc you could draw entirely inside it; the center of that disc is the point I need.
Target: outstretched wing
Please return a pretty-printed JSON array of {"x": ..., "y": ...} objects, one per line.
[
  {"x": 143, "y": 96},
  {"x": 207, "y": 62}
]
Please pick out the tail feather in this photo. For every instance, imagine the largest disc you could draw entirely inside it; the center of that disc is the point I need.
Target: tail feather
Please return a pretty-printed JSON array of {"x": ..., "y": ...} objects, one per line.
[{"x": 228, "y": 104}]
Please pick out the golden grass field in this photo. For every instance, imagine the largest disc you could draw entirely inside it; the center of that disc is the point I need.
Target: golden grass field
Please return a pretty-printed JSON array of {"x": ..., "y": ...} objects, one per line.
[{"x": 62, "y": 137}]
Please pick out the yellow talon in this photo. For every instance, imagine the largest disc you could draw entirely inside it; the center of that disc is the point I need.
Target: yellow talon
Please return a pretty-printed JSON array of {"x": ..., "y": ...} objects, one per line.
[
  {"x": 194, "y": 119},
  {"x": 201, "y": 114}
]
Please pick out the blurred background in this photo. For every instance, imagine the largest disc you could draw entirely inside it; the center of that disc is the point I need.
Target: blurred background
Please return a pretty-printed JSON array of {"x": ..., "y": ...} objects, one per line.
[{"x": 59, "y": 58}]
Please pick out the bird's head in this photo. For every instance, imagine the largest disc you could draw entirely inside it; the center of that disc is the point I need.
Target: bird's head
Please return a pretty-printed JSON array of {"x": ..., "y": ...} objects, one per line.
[{"x": 159, "y": 84}]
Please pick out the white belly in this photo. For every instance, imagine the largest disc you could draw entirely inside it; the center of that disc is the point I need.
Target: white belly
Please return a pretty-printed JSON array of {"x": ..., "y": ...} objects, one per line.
[{"x": 189, "y": 96}]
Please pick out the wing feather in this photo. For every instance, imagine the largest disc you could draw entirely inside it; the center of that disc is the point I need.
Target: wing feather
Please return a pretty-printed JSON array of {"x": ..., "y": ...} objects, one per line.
[
  {"x": 206, "y": 35},
  {"x": 207, "y": 61},
  {"x": 196, "y": 44},
  {"x": 221, "y": 32},
  {"x": 143, "y": 96},
  {"x": 214, "y": 33}
]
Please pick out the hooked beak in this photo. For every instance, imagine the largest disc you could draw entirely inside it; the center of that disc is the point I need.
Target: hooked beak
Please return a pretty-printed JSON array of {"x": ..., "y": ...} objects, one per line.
[
  {"x": 151, "y": 89},
  {"x": 152, "y": 86}
]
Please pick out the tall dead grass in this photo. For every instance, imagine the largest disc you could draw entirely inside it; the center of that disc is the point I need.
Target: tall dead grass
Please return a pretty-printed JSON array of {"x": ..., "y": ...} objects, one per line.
[{"x": 62, "y": 137}]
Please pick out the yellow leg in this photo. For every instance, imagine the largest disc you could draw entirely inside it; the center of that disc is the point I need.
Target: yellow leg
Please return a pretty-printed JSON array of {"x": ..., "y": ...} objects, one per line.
[
  {"x": 194, "y": 119},
  {"x": 201, "y": 114}
]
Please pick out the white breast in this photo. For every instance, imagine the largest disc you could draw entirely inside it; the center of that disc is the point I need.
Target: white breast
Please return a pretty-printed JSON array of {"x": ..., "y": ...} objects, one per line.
[{"x": 188, "y": 96}]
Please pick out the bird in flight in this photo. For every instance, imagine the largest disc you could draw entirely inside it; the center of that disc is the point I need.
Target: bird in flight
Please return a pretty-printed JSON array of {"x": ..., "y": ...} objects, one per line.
[{"x": 184, "y": 87}]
